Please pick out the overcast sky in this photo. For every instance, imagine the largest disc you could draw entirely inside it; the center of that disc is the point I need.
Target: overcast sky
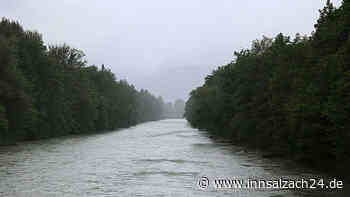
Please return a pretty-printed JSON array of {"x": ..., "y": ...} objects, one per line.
[{"x": 165, "y": 46}]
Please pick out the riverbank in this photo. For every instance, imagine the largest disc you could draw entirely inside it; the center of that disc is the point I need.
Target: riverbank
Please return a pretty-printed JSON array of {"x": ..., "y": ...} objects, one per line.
[{"x": 339, "y": 170}]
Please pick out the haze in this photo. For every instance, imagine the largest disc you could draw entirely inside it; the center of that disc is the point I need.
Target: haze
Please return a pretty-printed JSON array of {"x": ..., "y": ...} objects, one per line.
[{"x": 167, "y": 47}]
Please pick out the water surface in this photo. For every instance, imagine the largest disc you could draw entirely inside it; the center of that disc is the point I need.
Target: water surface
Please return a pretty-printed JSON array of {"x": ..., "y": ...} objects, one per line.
[{"x": 162, "y": 158}]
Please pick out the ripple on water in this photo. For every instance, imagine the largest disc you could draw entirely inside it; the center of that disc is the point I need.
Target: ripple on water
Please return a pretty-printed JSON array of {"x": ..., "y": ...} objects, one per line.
[
  {"x": 168, "y": 133},
  {"x": 177, "y": 161},
  {"x": 188, "y": 136},
  {"x": 166, "y": 173},
  {"x": 204, "y": 145}
]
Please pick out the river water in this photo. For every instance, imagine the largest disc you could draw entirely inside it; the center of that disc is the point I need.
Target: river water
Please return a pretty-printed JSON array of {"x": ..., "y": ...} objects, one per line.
[{"x": 162, "y": 158}]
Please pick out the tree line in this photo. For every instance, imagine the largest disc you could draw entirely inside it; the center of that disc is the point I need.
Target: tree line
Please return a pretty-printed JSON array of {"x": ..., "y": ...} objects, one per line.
[
  {"x": 51, "y": 91},
  {"x": 289, "y": 96}
]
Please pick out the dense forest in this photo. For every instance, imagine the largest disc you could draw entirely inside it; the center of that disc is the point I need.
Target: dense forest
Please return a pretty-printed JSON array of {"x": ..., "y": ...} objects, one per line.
[
  {"x": 51, "y": 91},
  {"x": 287, "y": 95}
]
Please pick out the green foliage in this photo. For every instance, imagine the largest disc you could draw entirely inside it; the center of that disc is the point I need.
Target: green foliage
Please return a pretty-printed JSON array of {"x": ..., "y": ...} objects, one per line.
[
  {"x": 290, "y": 96},
  {"x": 51, "y": 91},
  {"x": 3, "y": 123}
]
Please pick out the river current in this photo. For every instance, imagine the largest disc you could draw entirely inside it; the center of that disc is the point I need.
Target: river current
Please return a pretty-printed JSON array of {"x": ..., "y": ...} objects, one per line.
[{"x": 161, "y": 158}]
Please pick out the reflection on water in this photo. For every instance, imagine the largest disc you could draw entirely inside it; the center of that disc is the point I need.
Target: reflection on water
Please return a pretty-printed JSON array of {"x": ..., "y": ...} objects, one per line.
[{"x": 163, "y": 158}]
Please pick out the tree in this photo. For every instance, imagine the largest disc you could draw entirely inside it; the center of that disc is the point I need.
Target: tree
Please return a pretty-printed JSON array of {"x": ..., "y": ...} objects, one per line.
[
  {"x": 51, "y": 91},
  {"x": 290, "y": 97}
]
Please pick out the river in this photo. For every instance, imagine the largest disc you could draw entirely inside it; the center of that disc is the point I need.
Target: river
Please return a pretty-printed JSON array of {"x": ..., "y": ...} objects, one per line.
[{"x": 161, "y": 158}]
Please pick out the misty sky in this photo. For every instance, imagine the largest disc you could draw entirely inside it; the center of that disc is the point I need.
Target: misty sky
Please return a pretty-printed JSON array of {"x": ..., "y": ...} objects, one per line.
[{"x": 165, "y": 46}]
